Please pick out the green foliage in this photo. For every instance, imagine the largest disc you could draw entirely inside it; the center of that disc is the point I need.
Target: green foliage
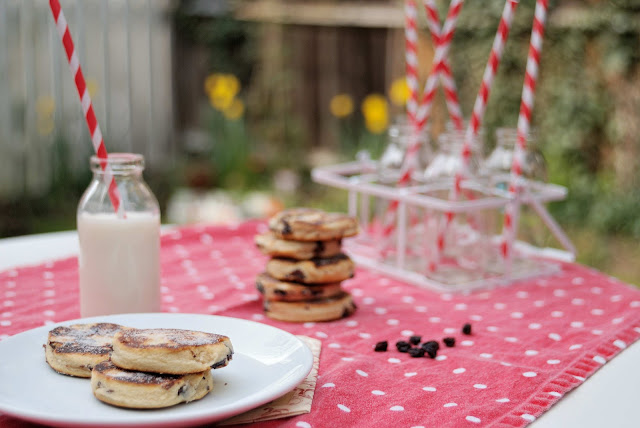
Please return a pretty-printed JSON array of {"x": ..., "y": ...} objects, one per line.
[
  {"x": 234, "y": 156},
  {"x": 587, "y": 54},
  {"x": 229, "y": 41}
]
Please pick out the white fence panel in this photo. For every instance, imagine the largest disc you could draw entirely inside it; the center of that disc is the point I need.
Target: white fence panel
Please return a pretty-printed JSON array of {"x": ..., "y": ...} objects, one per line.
[{"x": 125, "y": 51}]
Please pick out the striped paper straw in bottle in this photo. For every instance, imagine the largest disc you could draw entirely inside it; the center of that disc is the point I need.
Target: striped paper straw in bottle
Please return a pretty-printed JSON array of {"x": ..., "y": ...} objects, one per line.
[
  {"x": 411, "y": 59},
  {"x": 424, "y": 108},
  {"x": 411, "y": 64},
  {"x": 524, "y": 120},
  {"x": 87, "y": 105},
  {"x": 482, "y": 98},
  {"x": 444, "y": 72},
  {"x": 419, "y": 112},
  {"x": 476, "y": 117},
  {"x": 442, "y": 51}
]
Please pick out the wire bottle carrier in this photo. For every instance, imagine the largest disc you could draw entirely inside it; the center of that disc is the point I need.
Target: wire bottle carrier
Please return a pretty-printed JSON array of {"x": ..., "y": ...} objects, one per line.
[{"x": 471, "y": 259}]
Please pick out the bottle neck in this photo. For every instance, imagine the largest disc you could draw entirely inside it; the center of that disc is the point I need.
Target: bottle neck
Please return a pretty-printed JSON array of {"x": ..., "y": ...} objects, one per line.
[
  {"x": 452, "y": 143},
  {"x": 405, "y": 134},
  {"x": 508, "y": 137},
  {"x": 120, "y": 164}
]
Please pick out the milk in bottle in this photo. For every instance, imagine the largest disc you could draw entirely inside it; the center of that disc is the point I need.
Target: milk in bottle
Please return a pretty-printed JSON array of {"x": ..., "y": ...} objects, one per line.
[{"x": 119, "y": 261}]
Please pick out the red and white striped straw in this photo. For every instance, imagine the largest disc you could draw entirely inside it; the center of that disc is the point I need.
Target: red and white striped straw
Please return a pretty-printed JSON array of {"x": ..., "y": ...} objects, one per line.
[
  {"x": 444, "y": 72},
  {"x": 524, "y": 120},
  {"x": 419, "y": 113},
  {"x": 442, "y": 51},
  {"x": 424, "y": 108},
  {"x": 87, "y": 106},
  {"x": 411, "y": 59},
  {"x": 411, "y": 64},
  {"x": 477, "y": 115},
  {"x": 482, "y": 98}
]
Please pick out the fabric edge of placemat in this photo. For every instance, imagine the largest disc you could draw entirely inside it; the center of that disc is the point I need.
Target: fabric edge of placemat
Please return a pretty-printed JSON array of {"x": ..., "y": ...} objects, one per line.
[{"x": 576, "y": 374}]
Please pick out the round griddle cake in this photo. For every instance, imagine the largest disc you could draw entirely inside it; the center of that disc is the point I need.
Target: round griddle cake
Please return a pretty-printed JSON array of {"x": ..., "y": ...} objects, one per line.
[
  {"x": 268, "y": 243},
  {"x": 329, "y": 309},
  {"x": 171, "y": 351},
  {"x": 74, "y": 350},
  {"x": 308, "y": 224},
  {"x": 140, "y": 390},
  {"x": 314, "y": 271},
  {"x": 286, "y": 291}
]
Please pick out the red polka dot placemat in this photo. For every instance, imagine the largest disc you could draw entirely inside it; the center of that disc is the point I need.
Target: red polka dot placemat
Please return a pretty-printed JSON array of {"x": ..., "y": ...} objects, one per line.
[{"x": 530, "y": 343}]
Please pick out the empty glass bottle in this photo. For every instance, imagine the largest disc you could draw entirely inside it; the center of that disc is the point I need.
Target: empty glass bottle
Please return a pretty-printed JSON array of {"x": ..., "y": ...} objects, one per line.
[
  {"x": 447, "y": 160},
  {"x": 400, "y": 137},
  {"x": 498, "y": 163}
]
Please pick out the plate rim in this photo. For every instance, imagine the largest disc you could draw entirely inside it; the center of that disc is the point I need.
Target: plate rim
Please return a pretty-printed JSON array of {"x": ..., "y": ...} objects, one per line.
[{"x": 167, "y": 419}]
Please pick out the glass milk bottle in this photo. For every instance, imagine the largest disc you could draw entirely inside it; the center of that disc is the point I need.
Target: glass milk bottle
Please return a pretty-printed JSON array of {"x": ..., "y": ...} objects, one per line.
[
  {"x": 400, "y": 136},
  {"x": 466, "y": 237},
  {"x": 498, "y": 163},
  {"x": 447, "y": 160},
  {"x": 534, "y": 169},
  {"x": 119, "y": 261}
]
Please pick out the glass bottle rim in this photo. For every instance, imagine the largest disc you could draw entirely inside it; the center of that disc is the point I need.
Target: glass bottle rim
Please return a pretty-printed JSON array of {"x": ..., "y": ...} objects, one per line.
[
  {"x": 398, "y": 129},
  {"x": 119, "y": 162},
  {"x": 508, "y": 134},
  {"x": 451, "y": 139}
]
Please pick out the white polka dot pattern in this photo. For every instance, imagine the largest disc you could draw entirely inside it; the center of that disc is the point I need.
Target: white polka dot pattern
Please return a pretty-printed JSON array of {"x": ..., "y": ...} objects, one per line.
[
  {"x": 555, "y": 336},
  {"x": 620, "y": 343},
  {"x": 569, "y": 324},
  {"x": 344, "y": 408}
]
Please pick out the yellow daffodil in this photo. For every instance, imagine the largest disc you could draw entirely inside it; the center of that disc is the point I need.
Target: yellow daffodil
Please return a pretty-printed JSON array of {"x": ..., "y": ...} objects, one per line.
[
  {"x": 235, "y": 110},
  {"x": 45, "y": 106},
  {"x": 341, "y": 105},
  {"x": 45, "y": 127},
  {"x": 376, "y": 113},
  {"x": 210, "y": 82},
  {"x": 399, "y": 91},
  {"x": 92, "y": 87},
  {"x": 222, "y": 89}
]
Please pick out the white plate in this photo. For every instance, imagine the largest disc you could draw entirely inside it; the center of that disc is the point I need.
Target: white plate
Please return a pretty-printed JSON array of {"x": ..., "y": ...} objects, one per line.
[{"x": 267, "y": 363}]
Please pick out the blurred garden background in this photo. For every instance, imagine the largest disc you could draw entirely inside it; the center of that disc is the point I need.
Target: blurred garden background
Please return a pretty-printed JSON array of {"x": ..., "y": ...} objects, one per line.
[{"x": 233, "y": 103}]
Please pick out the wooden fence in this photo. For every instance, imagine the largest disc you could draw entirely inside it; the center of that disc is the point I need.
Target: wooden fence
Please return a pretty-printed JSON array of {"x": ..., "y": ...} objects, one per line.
[{"x": 125, "y": 51}]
